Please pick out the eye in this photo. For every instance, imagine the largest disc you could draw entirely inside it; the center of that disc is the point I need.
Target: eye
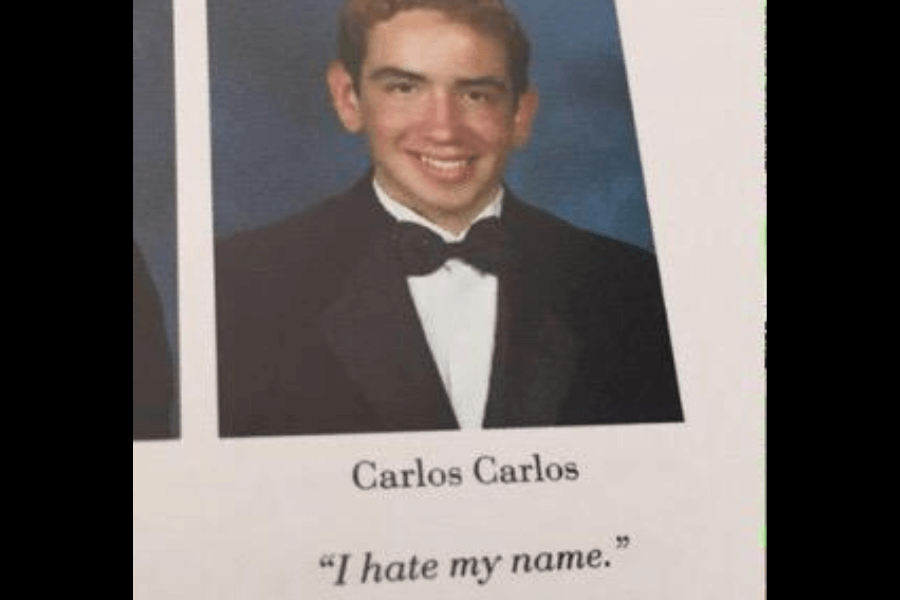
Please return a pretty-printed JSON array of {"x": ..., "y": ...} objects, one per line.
[
  {"x": 480, "y": 97},
  {"x": 401, "y": 87}
]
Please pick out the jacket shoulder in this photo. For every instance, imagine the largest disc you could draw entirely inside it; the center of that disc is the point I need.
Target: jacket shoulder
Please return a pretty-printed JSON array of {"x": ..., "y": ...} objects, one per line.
[
  {"x": 576, "y": 253},
  {"x": 317, "y": 226},
  {"x": 301, "y": 261}
]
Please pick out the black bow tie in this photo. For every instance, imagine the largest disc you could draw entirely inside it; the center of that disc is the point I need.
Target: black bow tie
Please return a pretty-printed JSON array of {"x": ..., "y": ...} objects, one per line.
[{"x": 423, "y": 252}]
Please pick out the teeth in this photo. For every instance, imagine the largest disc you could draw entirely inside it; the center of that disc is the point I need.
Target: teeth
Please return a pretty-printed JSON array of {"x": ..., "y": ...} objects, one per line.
[{"x": 444, "y": 165}]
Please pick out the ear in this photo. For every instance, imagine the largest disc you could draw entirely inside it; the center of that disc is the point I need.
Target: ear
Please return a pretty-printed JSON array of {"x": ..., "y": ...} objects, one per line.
[
  {"x": 524, "y": 117},
  {"x": 344, "y": 97}
]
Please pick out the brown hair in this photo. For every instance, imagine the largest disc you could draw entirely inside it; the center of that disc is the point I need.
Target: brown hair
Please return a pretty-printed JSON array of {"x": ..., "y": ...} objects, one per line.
[{"x": 488, "y": 16}]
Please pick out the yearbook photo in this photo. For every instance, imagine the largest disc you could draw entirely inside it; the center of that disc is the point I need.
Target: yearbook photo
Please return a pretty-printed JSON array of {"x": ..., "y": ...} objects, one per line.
[
  {"x": 431, "y": 215},
  {"x": 154, "y": 318}
]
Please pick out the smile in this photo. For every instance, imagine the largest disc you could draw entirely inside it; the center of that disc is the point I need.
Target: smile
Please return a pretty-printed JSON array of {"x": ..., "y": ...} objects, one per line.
[
  {"x": 445, "y": 165},
  {"x": 446, "y": 169}
]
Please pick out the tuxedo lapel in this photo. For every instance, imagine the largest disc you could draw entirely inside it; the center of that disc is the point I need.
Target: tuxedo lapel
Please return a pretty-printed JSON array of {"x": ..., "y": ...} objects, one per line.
[
  {"x": 537, "y": 352},
  {"x": 373, "y": 329}
]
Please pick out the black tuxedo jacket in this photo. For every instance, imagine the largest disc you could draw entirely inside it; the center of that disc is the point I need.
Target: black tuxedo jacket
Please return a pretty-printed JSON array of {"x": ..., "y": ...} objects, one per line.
[
  {"x": 152, "y": 386},
  {"x": 318, "y": 332}
]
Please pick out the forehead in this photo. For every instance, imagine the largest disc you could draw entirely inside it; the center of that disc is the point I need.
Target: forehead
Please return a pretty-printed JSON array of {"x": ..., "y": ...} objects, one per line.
[{"x": 432, "y": 42}]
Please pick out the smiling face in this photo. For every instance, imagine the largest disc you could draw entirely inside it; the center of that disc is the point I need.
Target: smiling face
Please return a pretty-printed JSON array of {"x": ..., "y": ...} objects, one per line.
[{"x": 436, "y": 102}]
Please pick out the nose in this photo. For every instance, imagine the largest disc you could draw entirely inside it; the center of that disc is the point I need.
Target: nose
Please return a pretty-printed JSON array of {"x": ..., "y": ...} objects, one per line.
[{"x": 443, "y": 117}]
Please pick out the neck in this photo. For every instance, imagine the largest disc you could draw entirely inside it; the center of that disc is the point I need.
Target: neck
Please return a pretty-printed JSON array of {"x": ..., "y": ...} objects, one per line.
[{"x": 454, "y": 223}]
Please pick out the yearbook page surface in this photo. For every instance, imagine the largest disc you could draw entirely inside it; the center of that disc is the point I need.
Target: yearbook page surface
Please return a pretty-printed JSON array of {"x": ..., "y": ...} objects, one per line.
[{"x": 449, "y": 298}]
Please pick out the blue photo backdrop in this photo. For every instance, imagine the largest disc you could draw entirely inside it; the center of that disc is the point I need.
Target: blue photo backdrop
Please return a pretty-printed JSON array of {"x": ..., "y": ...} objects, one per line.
[{"x": 278, "y": 149}]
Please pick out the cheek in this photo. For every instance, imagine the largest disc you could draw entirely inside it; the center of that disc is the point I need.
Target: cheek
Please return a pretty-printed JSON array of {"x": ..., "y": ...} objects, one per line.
[
  {"x": 388, "y": 126},
  {"x": 492, "y": 127}
]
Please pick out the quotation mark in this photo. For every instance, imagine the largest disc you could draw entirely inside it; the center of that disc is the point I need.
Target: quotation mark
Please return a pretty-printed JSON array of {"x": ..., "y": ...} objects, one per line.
[
  {"x": 328, "y": 561},
  {"x": 623, "y": 542}
]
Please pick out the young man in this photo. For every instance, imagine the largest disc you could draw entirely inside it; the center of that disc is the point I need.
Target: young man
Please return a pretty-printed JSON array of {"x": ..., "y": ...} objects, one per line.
[
  {"x": 151, "y": 376},
  {"x": 428, "y": 297}
]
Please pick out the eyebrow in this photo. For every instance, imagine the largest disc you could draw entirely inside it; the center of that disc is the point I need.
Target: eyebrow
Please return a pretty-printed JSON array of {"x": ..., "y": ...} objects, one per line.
[
  {"x": 386, "y": 73},
  {"x": 395, "y": 73},
  {"x": 494, "y": 82}
]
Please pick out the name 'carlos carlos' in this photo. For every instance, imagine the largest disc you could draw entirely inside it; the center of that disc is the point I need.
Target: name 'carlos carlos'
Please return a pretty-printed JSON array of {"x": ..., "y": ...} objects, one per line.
[{"x": 368, "y": 475}]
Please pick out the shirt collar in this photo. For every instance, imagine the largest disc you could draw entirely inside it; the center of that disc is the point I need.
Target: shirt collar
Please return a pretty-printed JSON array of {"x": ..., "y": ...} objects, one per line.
[{"x": 405, "y": 214}]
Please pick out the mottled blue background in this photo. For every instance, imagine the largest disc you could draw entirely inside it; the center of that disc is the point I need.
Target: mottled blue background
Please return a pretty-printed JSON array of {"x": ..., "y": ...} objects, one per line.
[
  {"x": 153, "y": 149},
  {"x": 278, "y": 148}
]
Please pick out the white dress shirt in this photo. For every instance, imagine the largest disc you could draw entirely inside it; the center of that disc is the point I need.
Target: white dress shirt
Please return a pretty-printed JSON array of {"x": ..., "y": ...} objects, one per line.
[{"x": 457, "y": 306}]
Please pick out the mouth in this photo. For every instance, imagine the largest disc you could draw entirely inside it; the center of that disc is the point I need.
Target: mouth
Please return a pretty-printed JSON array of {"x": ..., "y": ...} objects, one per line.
[{"x": 444, "y": 169}]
